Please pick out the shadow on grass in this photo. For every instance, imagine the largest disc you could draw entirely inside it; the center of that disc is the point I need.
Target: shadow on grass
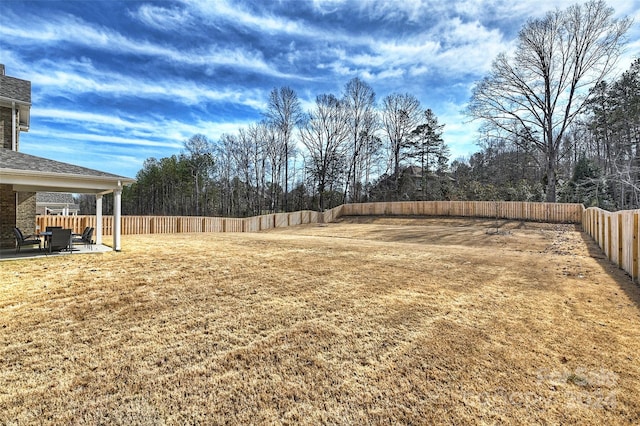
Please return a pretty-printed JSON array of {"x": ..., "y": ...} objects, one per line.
[
  {"x": 440, "y": 230},
  {"x": 624, "y": 280}
]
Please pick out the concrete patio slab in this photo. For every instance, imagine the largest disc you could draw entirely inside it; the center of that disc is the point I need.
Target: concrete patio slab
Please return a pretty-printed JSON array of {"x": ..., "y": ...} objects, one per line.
[{"x": 33, "y": 253}]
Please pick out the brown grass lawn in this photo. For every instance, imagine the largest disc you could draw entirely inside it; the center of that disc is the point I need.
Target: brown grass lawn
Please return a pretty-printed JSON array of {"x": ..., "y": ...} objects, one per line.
[{"x": 365, "y": 321}]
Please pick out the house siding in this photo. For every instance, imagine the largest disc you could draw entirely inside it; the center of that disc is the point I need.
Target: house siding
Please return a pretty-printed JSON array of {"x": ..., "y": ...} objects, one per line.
[
  {"x": 5, "y": 128},
  {"x": 15, "y": 209},
  {"x": 7, "y": 216}
]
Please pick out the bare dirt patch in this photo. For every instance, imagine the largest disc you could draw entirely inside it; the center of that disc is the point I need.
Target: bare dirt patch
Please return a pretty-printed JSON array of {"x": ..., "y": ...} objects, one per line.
[{"x": 364, "y": 321}]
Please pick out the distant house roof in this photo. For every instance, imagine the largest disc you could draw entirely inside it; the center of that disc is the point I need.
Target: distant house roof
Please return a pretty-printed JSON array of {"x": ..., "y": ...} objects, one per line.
[
  {"x": 55, "y": 198},
  {"x": 56, "y": 203},
  {"x": 36, "y": 174}
]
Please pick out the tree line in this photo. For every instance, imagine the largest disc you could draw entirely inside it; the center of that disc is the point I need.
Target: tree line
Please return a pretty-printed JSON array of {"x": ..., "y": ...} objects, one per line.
[
  {"x": 553, "y": 128},
  {"x": 346, "y": 148}
]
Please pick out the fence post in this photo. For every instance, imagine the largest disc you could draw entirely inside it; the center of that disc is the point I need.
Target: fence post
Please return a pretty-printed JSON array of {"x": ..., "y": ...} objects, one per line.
[
  {"x": 634, "y": 250},
  {"x": 620, "y": 241},
  {"x": 609, "y": 254},
  {"x": 603, "y": 220}
]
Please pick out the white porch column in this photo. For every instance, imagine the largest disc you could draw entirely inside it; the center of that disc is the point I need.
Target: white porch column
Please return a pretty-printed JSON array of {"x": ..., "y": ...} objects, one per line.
[
  {"x": 98, "y": 218},
  {"x": 117, "y": 200}
]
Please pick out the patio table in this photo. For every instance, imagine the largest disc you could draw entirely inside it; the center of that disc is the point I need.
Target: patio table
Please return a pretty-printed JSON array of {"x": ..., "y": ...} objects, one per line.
[{"x": 47, "y": 238}]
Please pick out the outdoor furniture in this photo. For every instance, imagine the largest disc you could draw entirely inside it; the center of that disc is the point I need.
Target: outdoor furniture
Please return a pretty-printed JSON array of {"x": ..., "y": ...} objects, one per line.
[
  {"x": 85, "y": 238},
  {"x": 47, "y": 234},
  {"x": 60, "y": 240},
  {"x": 29, "y": 240}
]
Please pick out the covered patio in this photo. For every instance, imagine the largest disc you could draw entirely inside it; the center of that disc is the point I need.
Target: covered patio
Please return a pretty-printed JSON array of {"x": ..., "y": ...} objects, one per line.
[
  {"x": 34, "y": 252},
  {"x": 28, "y": 174}
]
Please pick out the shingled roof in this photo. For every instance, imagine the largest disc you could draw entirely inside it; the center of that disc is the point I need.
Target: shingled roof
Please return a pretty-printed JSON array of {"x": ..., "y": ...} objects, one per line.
[
  {"x": 15, "y": 89},
  {"x": 32, "y": 173},
  {"x": 16, "y": 92},
  {"x": 15, "y": 160},
  {"x": 55, "y": 198}
]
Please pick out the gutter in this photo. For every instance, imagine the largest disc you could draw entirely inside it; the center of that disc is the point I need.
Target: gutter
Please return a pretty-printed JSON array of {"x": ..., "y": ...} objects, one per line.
[
  {"x": 53, "y": 175},
  {"x": 12, "y": 100},
  {"x": 14, "y": 130}
]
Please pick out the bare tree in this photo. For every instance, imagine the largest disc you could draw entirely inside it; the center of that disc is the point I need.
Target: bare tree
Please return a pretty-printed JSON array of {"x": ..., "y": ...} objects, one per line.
[
  {"x": 545, "y": 85},
  {"x": 225, "y": 172},
  {"x": 400, "y": 115},
  {"x": 324, "y": 135},
  {"x": 359, "y": 101},
  {"x": 275, "y": 155},
  {"x": 243, "y": 156},
  {"x": 284, "y": 112},
  {"x": 260, "y": 134},
  {"x": 200, "y": 160}
]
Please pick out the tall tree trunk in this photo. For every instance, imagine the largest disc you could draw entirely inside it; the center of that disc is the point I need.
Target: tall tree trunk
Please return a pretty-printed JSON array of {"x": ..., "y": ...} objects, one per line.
[{"x": 550, "y": 194}]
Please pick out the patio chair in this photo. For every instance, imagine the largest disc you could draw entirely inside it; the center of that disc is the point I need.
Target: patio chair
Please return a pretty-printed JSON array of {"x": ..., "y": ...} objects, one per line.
[
  {"x": 85, "y": 238},
  {"x": 29, "y": 240},
  {"x": 60, "y": 240}
]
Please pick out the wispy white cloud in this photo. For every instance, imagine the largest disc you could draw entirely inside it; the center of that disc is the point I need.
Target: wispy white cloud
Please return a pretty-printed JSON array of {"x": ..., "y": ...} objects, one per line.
[
  {"x": 89, "y": 155},
  {"x": 111, "y": 143},
  {"x": 451, "y": 47},
  {"x": 74, "y": 78},
  {"x": 238, "y": 14},
  {"x": 347, "y": 53},
  {"x": 153, "y": 131},
  {"x": 161, "y": 17},
  {"x": 68, "y": 29},
  {"x": 65, "y": 135},
  {"x": 140, "y": 85}
]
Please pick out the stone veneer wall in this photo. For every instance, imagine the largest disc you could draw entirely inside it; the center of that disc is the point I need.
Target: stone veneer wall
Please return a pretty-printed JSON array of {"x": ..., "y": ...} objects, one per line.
[
  {"x": 7, "y": 216},
  {"x": 26, "y": 212},
  {"x": 22, "y": 215}
]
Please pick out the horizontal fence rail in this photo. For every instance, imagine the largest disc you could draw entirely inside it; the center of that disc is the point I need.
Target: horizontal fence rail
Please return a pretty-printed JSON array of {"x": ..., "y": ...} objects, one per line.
[{"x": 617, "y": 233}]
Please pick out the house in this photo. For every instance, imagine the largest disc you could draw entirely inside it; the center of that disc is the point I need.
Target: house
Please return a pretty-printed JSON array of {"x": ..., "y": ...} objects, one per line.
[
  {"x": 23, "y": 175},
  {"x": 56, "y": 203}
]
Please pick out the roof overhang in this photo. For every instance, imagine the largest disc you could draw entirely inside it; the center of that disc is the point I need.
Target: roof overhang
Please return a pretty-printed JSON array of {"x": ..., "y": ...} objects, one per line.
[{"x": 34, "y": 181}]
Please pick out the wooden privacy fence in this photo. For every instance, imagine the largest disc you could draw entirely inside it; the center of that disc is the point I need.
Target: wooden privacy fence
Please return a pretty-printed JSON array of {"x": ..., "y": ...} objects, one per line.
[
  {"x": 543, "y": 212},
  {"x": 617, "y": 235},
  {"x": 538, "y": 212},
  {"x": 179, "y": 224}
]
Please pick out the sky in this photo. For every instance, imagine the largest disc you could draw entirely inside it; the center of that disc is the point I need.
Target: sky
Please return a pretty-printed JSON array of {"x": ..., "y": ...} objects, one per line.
[{"x": 117, "y": 82}]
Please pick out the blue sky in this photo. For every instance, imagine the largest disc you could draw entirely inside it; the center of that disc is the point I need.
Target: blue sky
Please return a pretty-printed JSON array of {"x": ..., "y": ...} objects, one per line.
[{"x": 117, "y": 82}]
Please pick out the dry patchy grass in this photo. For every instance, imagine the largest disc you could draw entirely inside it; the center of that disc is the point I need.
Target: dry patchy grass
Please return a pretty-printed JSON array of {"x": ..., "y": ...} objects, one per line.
[{"x": 365, "y": 321}]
